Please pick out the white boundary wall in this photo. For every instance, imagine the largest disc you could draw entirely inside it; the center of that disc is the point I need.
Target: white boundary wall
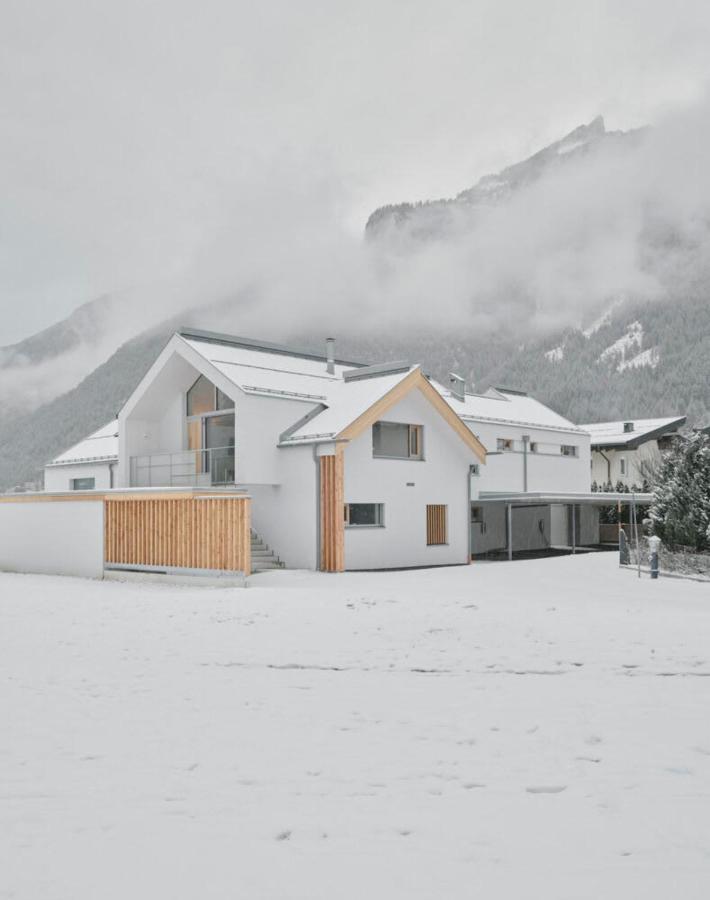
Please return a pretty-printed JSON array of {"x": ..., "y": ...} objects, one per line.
[{"x": 51, "y": 537}]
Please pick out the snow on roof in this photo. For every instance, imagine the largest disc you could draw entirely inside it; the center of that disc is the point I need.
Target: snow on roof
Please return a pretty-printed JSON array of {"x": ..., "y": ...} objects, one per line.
[
  {"x": 271, "y": 370},
  {"x": 507, "y": 407},
  {"x": 345, "y": 402},
  {"x": 100, "y": 446},
  {"x": 615, "y": 434},
  {"x": 264, "y": 371}
]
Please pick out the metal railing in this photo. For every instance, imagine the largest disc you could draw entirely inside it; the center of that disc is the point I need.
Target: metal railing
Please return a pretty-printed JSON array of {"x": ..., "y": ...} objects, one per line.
[{"x": 184, "y": 468}]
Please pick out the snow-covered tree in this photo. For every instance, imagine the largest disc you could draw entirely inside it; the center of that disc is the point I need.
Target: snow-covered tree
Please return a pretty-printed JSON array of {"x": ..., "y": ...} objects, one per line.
[{"x": 680, "y": 511}]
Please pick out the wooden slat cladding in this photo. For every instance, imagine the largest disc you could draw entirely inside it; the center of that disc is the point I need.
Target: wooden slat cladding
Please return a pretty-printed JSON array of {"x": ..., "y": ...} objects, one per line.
[
  {"x": 180, "y": 532},
  {"x": 435, "y": 524},
  {"x": 332, "y": 511}
]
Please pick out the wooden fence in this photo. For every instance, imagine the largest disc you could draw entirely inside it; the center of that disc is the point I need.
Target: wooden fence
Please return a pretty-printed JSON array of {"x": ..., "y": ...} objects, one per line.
[{"x": 183, "y": 530}]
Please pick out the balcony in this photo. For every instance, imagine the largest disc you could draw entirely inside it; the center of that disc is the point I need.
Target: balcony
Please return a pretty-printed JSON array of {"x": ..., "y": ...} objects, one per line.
[{"x": 184, "y": 468}]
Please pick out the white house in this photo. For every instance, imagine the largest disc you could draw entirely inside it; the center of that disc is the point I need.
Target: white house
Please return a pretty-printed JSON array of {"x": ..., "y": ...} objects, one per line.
[
  {"x": 623, "y": 451},
  {"x": 347, "y": 465}
]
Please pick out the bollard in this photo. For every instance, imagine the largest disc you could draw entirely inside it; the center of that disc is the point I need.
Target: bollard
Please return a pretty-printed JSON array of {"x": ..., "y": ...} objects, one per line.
[
  {"x": 624, "y": 557},
  {"x": 653, "y": 544}
]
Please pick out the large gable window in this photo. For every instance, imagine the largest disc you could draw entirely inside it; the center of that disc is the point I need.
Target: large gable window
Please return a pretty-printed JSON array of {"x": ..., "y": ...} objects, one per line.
[
  {"x": 203, "y": 397},
  {"x": 394, "y": 440},
  {"x": 210, "y": 431}
]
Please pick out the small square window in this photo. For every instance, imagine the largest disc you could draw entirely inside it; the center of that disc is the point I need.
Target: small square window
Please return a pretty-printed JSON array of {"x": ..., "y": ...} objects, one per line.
[
  {"x": 533, "y": 446},
  {"x": 364, "y": 515},
  {"x": 505, "y": 444},
  {"x": 475, "y": 470},
  {"x": 82, "y": 484},
  {"x": 568, "y": 450},
  {"x": 397, "y": 440}
]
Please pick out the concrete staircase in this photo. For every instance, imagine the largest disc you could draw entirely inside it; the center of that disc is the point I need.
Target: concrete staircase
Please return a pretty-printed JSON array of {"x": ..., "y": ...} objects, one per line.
[{"x": 263, "y": 559}]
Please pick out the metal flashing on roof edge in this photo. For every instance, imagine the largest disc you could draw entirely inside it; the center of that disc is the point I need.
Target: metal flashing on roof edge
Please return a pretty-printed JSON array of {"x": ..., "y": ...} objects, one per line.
[
  {"x": 377, "y": 370},
  {"x": 229, "y": 340},
  {"x": 514, "y": 391}
]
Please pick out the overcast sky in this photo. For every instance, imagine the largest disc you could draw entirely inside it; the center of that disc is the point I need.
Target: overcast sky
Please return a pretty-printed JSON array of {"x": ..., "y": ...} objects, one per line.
[{"x": 134, "y": 134}]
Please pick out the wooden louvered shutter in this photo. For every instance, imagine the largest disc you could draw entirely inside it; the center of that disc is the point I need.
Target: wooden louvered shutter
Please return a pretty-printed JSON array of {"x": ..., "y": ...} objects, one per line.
[{"x": 435, "y": 524}]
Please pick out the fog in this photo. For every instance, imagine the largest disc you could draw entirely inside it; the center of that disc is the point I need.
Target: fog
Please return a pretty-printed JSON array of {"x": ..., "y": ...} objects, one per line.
[{"x": 168, "y": 148}]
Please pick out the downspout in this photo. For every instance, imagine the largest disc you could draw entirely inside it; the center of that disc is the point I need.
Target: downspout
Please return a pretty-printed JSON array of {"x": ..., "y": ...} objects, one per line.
[
  {"x": 316, "y": 460},
  {"x": 608, "y": 466},
  {"x": 468, "y": 513},
  {"x": 526, "y": 444}
]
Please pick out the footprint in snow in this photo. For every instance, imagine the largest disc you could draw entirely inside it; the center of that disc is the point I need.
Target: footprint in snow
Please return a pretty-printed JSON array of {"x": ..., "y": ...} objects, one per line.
[
  {"x": 546, "y": 789},
  {"x": 283, "y": 835}
]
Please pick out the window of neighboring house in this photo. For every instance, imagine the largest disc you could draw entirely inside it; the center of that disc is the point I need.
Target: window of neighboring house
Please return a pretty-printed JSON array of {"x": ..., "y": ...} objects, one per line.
[
  {"x": 475, "y": 469},
  {"x": 533, "y": 446},
  {"x": 504, "y": 444},
  {"x": 568, "y": 450},
  {"x": 359, "y": 515},
  {"x": 82, "y": 484},
  {"x": 395, "y": 440},
  {"x": 622, "y": 464},
  {"x": 435, "y": 524}
]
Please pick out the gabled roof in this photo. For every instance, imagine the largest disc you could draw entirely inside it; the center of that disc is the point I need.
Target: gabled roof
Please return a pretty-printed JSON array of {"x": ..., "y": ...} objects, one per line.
[
  {"x": 612, "y": 434},
  {"x": 101, "y": 446},
  {"x": 507, "y": 407},
  {"x": 260, "y": 369},
  {"x": 338, "y": 400}
]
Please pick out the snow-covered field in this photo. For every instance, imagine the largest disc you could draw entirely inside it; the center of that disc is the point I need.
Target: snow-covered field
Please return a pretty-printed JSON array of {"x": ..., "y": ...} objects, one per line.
[{"x": 534, "y": 729}]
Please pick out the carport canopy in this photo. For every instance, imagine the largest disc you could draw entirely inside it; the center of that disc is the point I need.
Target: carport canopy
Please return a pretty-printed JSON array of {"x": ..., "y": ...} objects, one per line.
[{"x": 541, "y": 498}]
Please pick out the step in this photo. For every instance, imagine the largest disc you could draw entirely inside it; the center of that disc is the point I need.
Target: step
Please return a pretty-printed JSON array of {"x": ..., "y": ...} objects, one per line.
[
  {"x": 266, "y": 567},
  {"x": 263, "y": 558}
]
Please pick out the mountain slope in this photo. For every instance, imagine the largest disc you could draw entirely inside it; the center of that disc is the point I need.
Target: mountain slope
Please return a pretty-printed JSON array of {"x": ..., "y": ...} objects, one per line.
[
  {"x": 437, "y": 218},
  {"x": 647, "y": 353}
]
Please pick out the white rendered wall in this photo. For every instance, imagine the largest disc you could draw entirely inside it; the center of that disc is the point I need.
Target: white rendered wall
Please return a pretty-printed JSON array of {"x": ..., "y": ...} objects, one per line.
[
  {"x": 442, "y": 477},
  {"x": 286, "y": 515},
  {"x": 259, "y": 422},
  {"x": 548, "y": 470},
  {"x": 647, "y": 453},
  {"x": 58, "y": 478},
  {"x": 52, "y": 537}
]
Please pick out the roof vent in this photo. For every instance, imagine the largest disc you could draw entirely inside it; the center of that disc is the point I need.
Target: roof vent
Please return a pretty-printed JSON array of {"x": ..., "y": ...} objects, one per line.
[
  {"x": 457, "y": 386},
  {"x": 628, "y": 427},
  {"x": 330, "y": 355}
]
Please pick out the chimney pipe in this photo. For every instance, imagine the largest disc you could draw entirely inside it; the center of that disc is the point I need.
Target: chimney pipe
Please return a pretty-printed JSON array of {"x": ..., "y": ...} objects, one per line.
[
  {"x": 457, "y": 386},
  {"x": 330, "y": 355}
]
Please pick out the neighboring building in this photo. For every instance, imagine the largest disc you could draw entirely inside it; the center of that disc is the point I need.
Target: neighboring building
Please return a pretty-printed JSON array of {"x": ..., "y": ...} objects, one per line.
[
  {"x": 532, "y": 452},
  {"x": 622, "y": 452},
  {"x": 88, "y": 465},
  {"x": 348, "y": 466}
]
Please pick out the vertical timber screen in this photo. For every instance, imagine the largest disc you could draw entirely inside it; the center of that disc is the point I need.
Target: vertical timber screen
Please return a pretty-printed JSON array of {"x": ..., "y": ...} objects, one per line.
[
  {"x": 182, "y": 531},
  {"x": 332, "y": 513}
]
